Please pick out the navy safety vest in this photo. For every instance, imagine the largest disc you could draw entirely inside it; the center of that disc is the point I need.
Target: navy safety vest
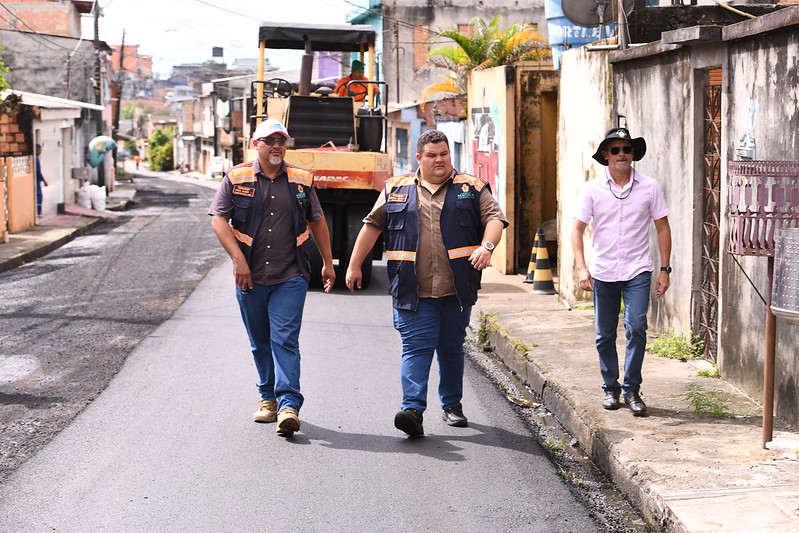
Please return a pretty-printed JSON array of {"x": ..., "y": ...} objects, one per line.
[
  {"x": 248, "y": 203},
  {"x": 461, "y": 230}
]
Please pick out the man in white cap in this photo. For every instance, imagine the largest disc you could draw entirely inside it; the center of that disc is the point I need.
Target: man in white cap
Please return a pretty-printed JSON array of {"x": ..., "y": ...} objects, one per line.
[
  {"x": 622, "y": 203},
  {"x": 264, "y": 213}
]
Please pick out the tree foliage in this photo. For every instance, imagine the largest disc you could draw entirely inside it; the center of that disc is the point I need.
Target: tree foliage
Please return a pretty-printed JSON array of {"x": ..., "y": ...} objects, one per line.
[
  {"x": 3, "y": 68},
  {"x": 161, "y": 149},
  {"x": 488, "y": 46}
]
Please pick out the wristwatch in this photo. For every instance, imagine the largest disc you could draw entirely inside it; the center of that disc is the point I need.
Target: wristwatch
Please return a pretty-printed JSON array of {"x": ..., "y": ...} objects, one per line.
[
  {"x": 488, "y": 245},
  {"x": 666, "y": 269}
]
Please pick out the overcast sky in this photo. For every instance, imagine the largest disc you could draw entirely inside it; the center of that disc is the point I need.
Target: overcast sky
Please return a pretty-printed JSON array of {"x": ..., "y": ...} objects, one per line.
[{"x": 185, "y": 31}]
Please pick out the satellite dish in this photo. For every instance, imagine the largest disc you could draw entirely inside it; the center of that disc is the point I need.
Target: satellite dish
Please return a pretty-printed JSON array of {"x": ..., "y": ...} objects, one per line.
[{"x": 590, "y": 13}]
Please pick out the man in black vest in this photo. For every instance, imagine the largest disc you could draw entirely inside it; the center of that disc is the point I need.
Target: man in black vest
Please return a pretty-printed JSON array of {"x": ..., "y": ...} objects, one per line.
[
  {"x": 263, "y": 214},
  {"x": 441, "y": 229}
]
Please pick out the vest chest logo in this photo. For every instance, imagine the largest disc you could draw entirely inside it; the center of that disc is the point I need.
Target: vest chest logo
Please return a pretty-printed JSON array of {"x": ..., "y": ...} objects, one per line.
[
  {"x": 466, "y": 192},
  {"x": 300, "y": 192},
  {"x": 396, "y": 197},
  {"x": 244, "y": 191}
]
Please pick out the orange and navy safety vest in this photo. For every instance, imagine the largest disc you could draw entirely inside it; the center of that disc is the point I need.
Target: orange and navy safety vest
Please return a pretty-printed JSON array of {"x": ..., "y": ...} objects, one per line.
[
  {"x": 461, "y": 230},
  {"x": 248, "y": 202}
]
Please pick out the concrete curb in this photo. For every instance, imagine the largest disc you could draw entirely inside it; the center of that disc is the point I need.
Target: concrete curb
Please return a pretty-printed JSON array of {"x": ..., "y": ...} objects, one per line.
[
  {"x": 591, "y": 436},
  {"x": 47, "y": 247}
]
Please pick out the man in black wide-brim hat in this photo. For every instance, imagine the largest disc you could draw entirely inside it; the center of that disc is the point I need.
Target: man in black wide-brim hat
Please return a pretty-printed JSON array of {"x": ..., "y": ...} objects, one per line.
[{"x": 621, "y": 203}]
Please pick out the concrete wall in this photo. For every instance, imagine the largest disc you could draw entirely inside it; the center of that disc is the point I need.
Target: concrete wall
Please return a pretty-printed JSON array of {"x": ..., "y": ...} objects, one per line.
[
  {"x": 490, "y": 140},
  {"x": 655, "y": 95},
  {"x": 51, "y": 70},
  {"x": 585, "y": 115},
  {"x": 408, "y": 44},
  {"x": 763, "y": 78},
  {"x": 656, "y": 90}
]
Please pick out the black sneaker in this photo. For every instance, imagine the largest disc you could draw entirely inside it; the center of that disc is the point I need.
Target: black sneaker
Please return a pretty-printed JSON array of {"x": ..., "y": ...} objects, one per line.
[
  {"x": 409, "y": 421},
  {"x": 454, "y": 417}
]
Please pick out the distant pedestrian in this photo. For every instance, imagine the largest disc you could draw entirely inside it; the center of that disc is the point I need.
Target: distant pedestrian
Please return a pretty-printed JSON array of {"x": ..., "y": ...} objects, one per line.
[
  {"x": 137, "y": 160},
  {"x": 264, "y": 213},
  {"x": 441, "y": 228},
  {"x": 40, "y": 181},
  {"x": 622, "y": 203}
]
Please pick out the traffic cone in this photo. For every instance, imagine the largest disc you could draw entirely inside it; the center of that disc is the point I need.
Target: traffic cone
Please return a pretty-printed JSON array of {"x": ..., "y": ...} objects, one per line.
[
  {"x": 542, "y": 279},
  {"x": 531, "y": 265}
]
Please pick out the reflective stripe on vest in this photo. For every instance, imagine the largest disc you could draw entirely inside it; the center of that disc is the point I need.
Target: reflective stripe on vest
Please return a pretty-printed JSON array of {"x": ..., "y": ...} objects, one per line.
[
  {"x": 465, "y": 251},
  {"x": 239, "y": 175},
  {"x": 299, "y": 176},
  {"x": 242, "y": 237},
  {"x": 304, "y": 236},
  {"x": 400, "y": 255}
]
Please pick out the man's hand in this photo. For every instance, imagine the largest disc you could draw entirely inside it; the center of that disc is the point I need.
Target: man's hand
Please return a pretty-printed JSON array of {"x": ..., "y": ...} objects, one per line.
[
  {"x": 662, "y": 284},
  {"x": 354, "y": 277},
  {"x": 241, "y": 271},
  {"x": 585, "y": 279},
  {"x": 328, "y": 277},
  {"x": 480, "y": 258}
]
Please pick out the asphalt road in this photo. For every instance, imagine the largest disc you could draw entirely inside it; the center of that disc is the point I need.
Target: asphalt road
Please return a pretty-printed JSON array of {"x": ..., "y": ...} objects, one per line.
[
  {"x": 169, "y": 445},
  {"x": 70, "y": 319}
]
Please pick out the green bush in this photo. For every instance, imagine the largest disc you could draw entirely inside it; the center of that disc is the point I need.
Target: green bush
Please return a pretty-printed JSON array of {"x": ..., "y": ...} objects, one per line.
[
  {"x": 706, "y": 402},
  {"x": 162, "y": 150},
  {"x": 673, "y": 345}
]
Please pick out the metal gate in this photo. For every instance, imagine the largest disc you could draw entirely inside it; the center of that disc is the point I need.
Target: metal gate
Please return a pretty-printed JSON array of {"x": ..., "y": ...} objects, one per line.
[{"x": 711, "y": 207}]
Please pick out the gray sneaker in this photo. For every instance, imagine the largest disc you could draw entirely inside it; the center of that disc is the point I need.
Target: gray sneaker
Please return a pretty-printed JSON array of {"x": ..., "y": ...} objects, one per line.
[{"x": 454, "y": 417}]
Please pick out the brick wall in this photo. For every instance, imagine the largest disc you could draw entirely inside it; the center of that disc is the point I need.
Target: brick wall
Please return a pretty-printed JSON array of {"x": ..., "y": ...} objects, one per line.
[
  {"x": 13, "y": 140},
  {"x": 421, "y": 45},
  {"x": 54, "y": 18}
]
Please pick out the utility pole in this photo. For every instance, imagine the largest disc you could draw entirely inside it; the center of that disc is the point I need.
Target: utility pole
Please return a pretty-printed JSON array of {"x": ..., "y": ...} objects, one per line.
[
  {"x": 397, "y": 50},
  {"x": 118, "y": 84},
  {"x": 98, "y": 115}
]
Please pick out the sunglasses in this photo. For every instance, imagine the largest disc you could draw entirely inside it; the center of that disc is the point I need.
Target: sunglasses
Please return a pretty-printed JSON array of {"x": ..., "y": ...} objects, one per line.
[
  {"x": 616, "y": 149},
  {"x": 271, "y": 141}
]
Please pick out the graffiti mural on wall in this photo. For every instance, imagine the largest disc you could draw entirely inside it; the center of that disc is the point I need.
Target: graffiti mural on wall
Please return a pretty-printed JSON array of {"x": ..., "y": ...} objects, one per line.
[{"x": 485, "y": 147}]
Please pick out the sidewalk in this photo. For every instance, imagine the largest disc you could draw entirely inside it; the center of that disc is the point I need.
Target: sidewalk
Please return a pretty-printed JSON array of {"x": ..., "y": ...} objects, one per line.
[
  {"x": 685, "y": 472},
  {"x": 53, "y": 231}
]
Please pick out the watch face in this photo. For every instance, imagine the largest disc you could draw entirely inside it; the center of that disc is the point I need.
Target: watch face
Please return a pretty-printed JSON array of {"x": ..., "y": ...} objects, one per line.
[{"x": 488, "y": 245}]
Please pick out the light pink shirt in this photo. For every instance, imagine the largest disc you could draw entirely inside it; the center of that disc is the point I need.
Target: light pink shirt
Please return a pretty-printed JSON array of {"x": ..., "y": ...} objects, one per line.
[{"x": 621, "y": 218}]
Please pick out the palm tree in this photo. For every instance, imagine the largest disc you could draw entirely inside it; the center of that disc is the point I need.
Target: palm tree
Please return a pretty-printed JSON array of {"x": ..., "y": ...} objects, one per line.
[{"x": 488, "y": 46}]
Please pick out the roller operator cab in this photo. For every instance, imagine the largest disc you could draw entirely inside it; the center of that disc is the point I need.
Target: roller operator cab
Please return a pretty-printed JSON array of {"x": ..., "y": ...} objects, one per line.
[{"x": 341, "y": 139}]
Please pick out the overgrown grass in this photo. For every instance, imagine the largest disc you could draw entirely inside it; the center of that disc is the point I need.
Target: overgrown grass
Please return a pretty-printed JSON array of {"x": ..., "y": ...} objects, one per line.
[
  {"x": 554, "y": 445},
  {"x": 705, "y": 402},
  {"x": 709, "y": 372},
  {"x": 488, "y": 325},
  {"x": 673, "y": 345}
]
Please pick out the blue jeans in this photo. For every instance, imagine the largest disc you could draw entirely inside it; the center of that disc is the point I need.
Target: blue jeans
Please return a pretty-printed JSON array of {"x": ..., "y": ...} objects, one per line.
[
  {"x": 607, "y": 305},
  {"x": 438, "y": 325},
  {"x": 272, "y": 315}
]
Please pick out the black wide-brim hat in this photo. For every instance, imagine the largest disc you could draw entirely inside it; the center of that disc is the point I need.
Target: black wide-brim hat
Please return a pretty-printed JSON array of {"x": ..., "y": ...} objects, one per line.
[{"x": 622, "y": 134}]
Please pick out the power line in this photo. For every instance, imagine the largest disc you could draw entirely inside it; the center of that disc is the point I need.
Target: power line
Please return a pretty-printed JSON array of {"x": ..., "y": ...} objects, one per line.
[{"x": 32, "y": 30}]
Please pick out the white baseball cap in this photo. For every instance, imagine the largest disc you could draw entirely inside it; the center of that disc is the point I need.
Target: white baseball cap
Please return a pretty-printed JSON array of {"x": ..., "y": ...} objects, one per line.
[{"x": 267, "y": 128}]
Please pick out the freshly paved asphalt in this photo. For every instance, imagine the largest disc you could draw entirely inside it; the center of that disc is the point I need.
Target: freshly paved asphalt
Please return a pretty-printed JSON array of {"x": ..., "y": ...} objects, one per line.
[{"x": 684, "y": 471}]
